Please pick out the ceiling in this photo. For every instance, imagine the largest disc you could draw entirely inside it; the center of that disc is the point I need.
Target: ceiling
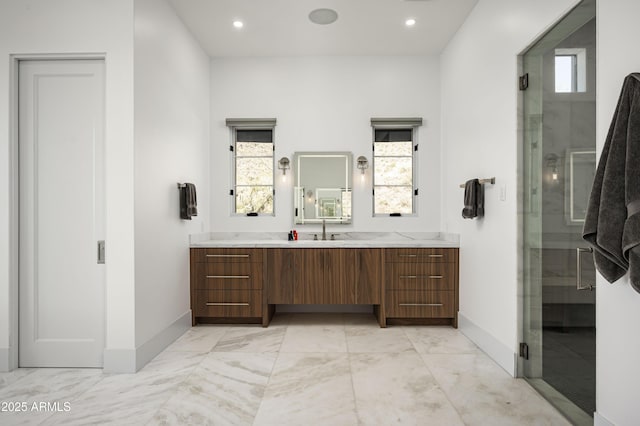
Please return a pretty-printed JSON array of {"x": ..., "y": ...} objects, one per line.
[{"x": 282, "y": 27}]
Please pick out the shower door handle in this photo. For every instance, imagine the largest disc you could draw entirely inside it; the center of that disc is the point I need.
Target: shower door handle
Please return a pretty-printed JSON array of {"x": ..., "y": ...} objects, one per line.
[{"x": 579, "y": 284}]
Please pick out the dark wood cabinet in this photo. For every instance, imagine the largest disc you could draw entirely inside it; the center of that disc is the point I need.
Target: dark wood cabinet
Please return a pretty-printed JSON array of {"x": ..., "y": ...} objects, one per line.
[
  {"x": 283, "y": 286},
  {"x": 295, "y": 276},
  {"x": 324, "y": 276},
  {"x": 416, "y": 285},
  {"x": 339, "y": 283},
  {"x": 227, "y": 285},
  {"x": 368, "y": 276},
  {"x": 311, "y": 273},
  {"x": 422, "y": 284}
]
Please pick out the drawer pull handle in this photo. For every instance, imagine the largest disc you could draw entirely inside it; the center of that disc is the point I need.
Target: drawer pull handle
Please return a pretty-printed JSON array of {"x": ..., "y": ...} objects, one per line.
[
  {"x": 413, "y": 277},
  {"x": 227, "y": 255},
  {"x": 407, "y": 255},
  {"x": 235, "y": 277},
  {"x": 421, "y": 304},
  {"x": 415, "y": 255},
  {"x": 226, "y": 304},
  {"x": 436, "y": 255}
]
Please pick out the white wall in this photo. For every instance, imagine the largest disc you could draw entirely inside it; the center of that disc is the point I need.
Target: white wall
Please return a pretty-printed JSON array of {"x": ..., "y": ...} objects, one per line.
[
  {"x": 71, "y": 27},
  {"x": 325, "y": 104},
  {"x": 618, "y": 305},
  {"x": 171, "y": 146},
  {"x": 479, "y": 139}
]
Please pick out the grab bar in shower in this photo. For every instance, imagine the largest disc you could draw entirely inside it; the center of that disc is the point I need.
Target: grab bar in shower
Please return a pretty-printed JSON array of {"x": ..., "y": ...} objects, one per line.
[{"x": 579, "y": 284}]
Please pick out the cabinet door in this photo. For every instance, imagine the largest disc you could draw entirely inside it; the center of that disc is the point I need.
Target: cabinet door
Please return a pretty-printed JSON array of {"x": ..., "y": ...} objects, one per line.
[
  {"x": 420, "y": 304},
  {"x": 368, "y": 276},
  {"x": 228, "y": 276},
  {"x": 421, "y": 276},
  {"x": 310, "y": 276},
  {"x": 228, "y": 303},
  {"x": 421, "y": 255},
  {"x": 340, "y": 276},
  {"x": 282, "y": 283}
]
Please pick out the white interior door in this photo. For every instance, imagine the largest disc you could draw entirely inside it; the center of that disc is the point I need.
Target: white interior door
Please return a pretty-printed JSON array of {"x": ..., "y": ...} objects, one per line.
[{"x": 61, "y": 140}]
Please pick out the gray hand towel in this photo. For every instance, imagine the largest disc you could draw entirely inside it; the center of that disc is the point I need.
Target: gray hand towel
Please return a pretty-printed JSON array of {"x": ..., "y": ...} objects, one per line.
[
  {"x": 192, "y": 202},
  {"x": 473, "y": 199},
  {"x": 612, "y": 223},
  {"x": 188, "y": 201}
]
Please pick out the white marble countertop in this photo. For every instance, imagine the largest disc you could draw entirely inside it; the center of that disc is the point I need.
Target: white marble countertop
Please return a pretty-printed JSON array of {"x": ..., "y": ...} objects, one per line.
[{"x": 342, "y": 239}]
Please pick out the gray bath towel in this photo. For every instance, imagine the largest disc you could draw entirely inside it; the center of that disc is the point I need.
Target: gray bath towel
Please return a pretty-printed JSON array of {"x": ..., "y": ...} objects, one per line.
[
  {"x": 473, "y": 199},
  {"x": 612, "y": 224}
]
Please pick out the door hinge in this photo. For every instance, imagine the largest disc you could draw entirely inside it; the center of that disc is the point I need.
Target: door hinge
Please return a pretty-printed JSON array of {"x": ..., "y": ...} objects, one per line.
[
  {"x": 101, "y": 252},
  {"x": 415, "y": 147},
  {"x": 524, "y": 82},
  {"x": 524, "y": 350},
  {"x": 231, "y": 192},
  {"x": 231, "y": 148},
  {"x": 415, "y": 192}
]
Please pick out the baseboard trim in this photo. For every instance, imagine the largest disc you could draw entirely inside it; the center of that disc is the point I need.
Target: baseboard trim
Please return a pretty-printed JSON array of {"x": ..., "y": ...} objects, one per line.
[
  {"x": 501, "y": 354},
  {"x": 152, "y": 347},
  {"x": 119, "y": 361},
  {"x": 132, "y": 360},
  {"x": 600, "y": 420},
  {"x": 5, "y": 365}
]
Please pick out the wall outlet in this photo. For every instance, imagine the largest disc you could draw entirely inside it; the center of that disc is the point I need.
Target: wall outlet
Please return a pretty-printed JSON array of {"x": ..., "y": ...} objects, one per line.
[{"x": 503, "y": 192}]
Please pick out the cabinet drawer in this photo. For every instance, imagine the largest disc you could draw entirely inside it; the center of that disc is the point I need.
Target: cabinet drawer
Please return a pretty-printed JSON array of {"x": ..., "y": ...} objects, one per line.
[
  {"x": 420, "y": 304},
  {"x": 228, "y": 303},
  {"x": 228, "y": 276},
  {"x": 420, "y": 255},
  {"x": 421, "y": 276},
  {"x": 227, "y": 255}
]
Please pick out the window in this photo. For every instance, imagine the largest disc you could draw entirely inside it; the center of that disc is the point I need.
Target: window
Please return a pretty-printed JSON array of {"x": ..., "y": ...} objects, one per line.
[
  {"x": 570, "y": 70},
  {"x": 253, "y": 166},
  {"x": 394, "y": 166}
]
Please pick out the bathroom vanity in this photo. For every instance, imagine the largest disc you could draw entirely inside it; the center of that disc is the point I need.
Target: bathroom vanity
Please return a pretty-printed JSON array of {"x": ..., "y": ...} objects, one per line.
[{"x": 406, "y": 279}]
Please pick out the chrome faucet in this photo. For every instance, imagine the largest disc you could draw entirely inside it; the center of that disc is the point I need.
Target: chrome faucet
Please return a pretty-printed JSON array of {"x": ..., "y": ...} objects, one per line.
[{"x": 324, "y": 229}]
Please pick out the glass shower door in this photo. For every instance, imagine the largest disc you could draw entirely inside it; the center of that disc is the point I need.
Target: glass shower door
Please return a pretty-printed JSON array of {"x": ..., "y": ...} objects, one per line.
[{"x": 557, "y": 169}]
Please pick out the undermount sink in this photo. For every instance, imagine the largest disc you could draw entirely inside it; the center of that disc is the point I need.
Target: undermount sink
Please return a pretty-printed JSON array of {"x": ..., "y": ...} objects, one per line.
[
  {"x": 317, "y": 236},
  {"x": 319, "y": 241}
]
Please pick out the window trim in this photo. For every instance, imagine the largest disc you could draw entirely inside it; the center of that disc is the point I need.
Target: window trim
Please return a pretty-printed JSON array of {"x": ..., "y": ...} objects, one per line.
[
  {"x": 234, "y": 125},
  {"x": 397, "y": 123},
  {"x": 578, "y": 69}
]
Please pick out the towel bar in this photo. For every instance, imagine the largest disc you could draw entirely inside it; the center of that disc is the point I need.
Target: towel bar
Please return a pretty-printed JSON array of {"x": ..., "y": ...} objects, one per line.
[{"x": 491, "y": 180}]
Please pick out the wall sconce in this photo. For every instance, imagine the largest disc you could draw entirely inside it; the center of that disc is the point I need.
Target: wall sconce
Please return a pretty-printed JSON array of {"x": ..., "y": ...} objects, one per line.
[
  {"x": 362, "y": 164},
  {"x": 552, "y": 164},
  {"x": 284, "y": 164}
]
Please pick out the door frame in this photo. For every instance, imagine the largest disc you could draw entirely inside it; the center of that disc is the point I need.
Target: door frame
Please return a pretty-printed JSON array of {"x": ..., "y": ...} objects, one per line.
[
  {"x": 520, "y": 140},
  {"x": 564, "y": 405},
  {"x": 14, "y": 191}
]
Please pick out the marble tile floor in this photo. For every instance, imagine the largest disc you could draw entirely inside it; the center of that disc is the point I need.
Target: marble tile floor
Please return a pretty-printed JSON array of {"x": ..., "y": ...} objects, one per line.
[{"x": 304, "y": 369}]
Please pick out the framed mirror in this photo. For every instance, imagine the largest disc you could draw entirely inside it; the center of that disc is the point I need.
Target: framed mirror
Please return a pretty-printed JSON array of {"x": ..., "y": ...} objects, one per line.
[
  {"x": 580, "y": 169},
  {"x": 322, "y": 191}
]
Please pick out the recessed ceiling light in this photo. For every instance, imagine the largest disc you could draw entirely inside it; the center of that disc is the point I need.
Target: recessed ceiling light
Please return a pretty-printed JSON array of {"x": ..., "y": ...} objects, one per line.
[
  {"x": 323, "y": 16},
  {"x": 410, "y": 22},
  {"x": 238, "y": 24}
]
